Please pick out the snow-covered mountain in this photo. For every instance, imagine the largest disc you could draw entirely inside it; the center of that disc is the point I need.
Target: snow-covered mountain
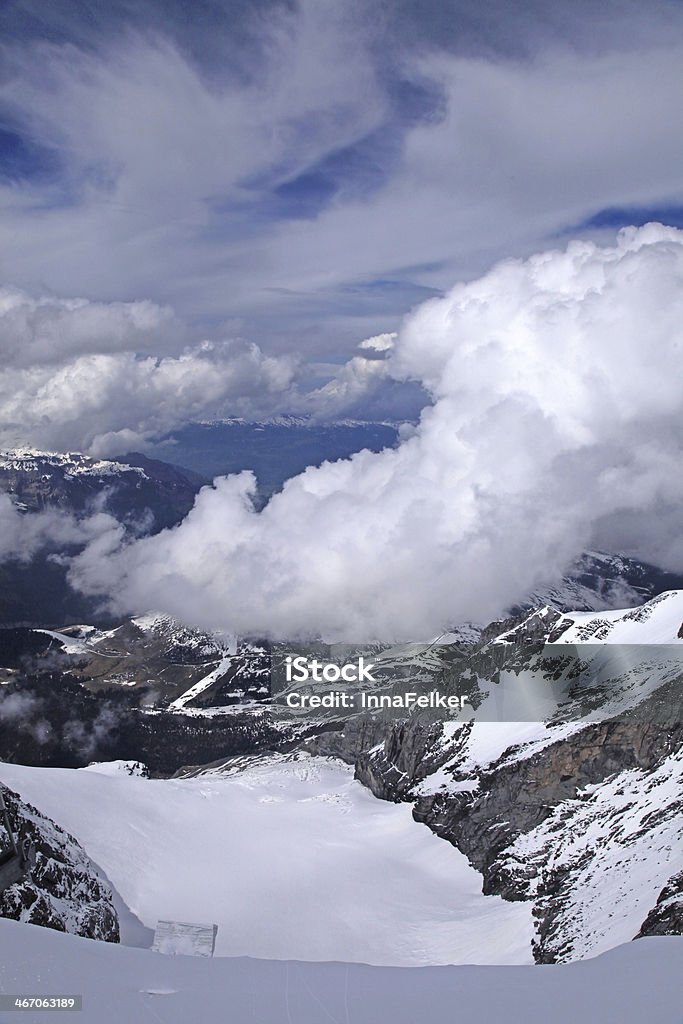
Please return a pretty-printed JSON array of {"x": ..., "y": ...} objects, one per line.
[
  {"x": 67, "y": 698},
  {"x": 658, "y": 621},
  {"x": 157, "y": 662},
  {"x": 149, "y": 689},
  {"x": 561, "y": 785},
  {"x": 599, "y": 580},
  {"x": 135, "y": 488},
  {"x": 575, "y": 802},
  {"x": 153, "y": 666}
]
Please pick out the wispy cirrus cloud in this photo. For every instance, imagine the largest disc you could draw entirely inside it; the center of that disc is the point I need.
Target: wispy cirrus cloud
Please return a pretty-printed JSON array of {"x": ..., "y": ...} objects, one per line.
[{"x": 313, "y": 170}]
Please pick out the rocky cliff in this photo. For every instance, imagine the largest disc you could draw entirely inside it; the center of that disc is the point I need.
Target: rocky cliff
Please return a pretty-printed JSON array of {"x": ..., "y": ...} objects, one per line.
[
  {"x": 63, "y": 890},
  {"x": 580, "y": 814}
]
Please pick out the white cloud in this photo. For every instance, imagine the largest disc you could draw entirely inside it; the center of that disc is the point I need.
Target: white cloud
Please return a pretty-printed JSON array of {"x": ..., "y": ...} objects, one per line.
[
  {"x": 166, "y": 175},
  {"x": 89, "y": 375},
  {"x": 379, "y": 342},
  {"x": 22, "y": 534},
  {"x": 356, "y": 380},
  {"x": 364, "y": 388},
  {"x": 557, "y": 410},
  {"x": 105, "y": 377},
  {"x": 48, "y": 329}
]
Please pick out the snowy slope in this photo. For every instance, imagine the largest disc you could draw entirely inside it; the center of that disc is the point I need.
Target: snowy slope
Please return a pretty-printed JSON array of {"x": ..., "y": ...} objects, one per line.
[
  {"x": 290, "y": 857},
  {"x": 636, "y": 983},
  {"x": 658, "y": 621},
  {"x": 621, "y": 840},
  {"x": 201, "y": 685}
]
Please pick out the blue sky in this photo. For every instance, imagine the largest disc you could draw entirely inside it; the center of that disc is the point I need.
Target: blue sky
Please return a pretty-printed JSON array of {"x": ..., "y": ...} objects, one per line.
[{"x": 301, "y": 174}]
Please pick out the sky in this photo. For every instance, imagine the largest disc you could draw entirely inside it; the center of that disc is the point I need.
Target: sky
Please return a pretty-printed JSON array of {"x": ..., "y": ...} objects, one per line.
[
  {"x": 251, "y": 208},
  {"x": 300, "y": 175}
]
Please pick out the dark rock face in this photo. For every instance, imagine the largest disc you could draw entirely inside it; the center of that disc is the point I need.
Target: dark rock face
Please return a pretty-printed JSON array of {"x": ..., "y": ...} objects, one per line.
[
  {"x": 53, "y": 721},
  {"x": 513, "y": 799},
  {"x": 546, "y": 796},
  {"x": 63, "y": 891},
  {"x": 348, "y": 740},
  {"x": 410, "y": 753},
  {"x": 666, "y": 917},
  {"x": 510, "y": 798},
  {"x": 70, "y": 698}
]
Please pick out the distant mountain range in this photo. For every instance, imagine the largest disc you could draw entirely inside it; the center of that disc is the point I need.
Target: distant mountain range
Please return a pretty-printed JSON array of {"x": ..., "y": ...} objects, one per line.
[{"x": 274, "y": 449}]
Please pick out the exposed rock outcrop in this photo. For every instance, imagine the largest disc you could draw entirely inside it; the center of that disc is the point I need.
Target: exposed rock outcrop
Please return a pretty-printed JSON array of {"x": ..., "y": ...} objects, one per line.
[
  {"x": 64, "y": 890},
  {"x": 666, "y": 917}
]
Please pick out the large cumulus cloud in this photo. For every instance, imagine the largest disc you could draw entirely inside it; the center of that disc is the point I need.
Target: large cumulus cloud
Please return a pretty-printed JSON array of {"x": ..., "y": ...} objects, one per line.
[{"x": 556, "y": 416}]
